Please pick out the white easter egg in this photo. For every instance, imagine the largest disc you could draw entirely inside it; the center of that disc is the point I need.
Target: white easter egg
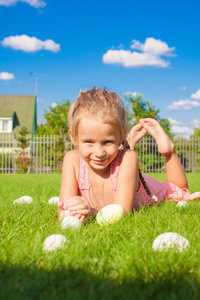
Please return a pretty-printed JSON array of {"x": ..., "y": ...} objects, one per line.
[
  {"x": 182, "y": 204},
  {"x": 53, "y": 200},
  {"x": 110, "y": 214},
  {"x": 23, "y": 200},
  {"x": 71, "y": 222},
  {"x": 53, "y": 242},
  {"x": 16, "y": 201},
  {"x": 170, "y": 240},
  {"x": 66, "y": 212}
]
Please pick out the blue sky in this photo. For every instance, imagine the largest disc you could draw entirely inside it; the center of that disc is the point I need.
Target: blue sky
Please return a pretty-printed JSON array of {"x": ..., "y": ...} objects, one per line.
[{"x": 148, "y": 47}]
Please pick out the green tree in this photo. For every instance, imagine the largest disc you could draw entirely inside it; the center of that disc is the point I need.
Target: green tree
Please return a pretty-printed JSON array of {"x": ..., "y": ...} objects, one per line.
[
  {"x": 193, "y": 139},
  {"x": 23, "y": 160},
  {"x": 60, "y": 149},
  {"x": 196, "y": 131},
  {"x": 56, "y": 125},
  {"x": 56, "y": 120},
  {"x": 137, "y": 108}
]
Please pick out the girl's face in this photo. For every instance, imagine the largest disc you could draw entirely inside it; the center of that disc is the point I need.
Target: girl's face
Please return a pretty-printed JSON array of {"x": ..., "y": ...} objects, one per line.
[{"x": 97, "y": 142}]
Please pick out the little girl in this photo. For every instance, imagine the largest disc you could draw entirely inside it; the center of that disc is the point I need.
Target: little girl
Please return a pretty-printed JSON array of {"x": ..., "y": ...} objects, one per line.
[{"x": 102, "y": 170}]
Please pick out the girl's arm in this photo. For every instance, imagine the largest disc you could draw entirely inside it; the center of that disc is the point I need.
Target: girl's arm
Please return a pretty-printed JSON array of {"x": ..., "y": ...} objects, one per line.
[
  {"x": 127, "y": 180},
  {"x": 69, "y": 198},
  {"x": 69, "y": 186}
]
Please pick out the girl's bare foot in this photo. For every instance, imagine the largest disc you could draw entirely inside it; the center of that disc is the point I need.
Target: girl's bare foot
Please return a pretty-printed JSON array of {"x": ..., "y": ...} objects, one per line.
[
  {"x": 165, "y": 145},
  {"x": 135, "y": 135}
]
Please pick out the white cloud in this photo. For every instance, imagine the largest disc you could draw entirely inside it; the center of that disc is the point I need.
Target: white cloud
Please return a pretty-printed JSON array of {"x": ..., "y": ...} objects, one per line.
[
  {"x": 179, "y": 130},
  {"x": 6, "y": 76},
  {"x": 196, "y": 123},
  {"x": 156, "y": 47},
  {"x": 54, "y": 104},
  {"x": 183, "y": 88},
  {"x": 182, "y": 130},
  {"x": 174, "y": 122},
  {"x": 130, "y": 59},
  {"x": 39, "y": 99},
  {"x": 133, "y": 94},
  {"x": 196, "y": 95},
  {"x": 8, "y": 2},
  {"x": 33, "y": 3},
  {"x": 29, "y": 44},
  {"x": 183, "y": 104},
  {"x": 150, "y": 55}
]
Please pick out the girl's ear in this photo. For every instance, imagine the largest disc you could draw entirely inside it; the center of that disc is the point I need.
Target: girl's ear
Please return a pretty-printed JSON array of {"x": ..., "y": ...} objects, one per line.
[{"x": 72, "y": 137}]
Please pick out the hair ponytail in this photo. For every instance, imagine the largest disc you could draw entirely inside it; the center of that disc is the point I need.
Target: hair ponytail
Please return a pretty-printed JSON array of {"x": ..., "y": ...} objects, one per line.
[{"x": 153, "y": 197}]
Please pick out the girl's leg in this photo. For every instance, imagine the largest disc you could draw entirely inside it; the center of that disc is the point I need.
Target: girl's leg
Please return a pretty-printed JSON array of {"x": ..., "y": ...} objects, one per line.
[
  {"x": 175, "y": 171},
  {"x": 135, "y": 135}
]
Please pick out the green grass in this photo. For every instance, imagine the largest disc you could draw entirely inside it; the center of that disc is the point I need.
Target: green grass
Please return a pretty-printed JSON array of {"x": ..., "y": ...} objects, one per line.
[{"x": 114, "y": 262}]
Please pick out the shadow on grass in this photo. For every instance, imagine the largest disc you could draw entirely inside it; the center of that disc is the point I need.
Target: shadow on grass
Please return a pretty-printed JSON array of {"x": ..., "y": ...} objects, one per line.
[{"x": 26, "y": 283}]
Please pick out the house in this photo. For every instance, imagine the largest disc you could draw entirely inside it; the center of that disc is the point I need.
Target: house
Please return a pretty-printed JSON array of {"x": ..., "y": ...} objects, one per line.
[{"x": 17, "y": 111}]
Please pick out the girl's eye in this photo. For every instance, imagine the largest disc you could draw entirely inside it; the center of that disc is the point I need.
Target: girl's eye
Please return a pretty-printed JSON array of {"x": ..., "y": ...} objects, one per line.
[{"x": 108, "y": 142}]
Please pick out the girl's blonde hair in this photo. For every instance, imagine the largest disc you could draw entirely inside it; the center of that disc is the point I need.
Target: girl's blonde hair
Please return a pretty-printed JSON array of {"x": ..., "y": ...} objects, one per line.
[{"x": 101, "y": 105}]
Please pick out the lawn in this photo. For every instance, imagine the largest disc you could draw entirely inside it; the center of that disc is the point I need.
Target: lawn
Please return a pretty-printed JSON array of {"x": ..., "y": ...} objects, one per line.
[{"x": 113, "y": 262}]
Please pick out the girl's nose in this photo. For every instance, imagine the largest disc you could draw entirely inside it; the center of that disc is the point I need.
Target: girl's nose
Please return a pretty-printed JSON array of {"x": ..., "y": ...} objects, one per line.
[{"x": 99, "y": 151}]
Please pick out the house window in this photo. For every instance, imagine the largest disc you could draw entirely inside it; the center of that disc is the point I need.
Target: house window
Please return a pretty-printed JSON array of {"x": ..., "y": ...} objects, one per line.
[{"x": 5, "y": 125}]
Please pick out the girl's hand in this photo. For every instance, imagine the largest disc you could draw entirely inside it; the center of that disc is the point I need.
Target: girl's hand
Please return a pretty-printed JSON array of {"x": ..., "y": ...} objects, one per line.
[
  {"x": 77, "y": 206},
  {"x": 62, "y": 213}
]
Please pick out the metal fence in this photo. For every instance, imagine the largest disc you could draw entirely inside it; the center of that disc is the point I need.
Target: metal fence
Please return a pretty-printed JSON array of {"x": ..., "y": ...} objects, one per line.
[
  {"x": 151, "y": 160},
  {"x": 46, "y": 156}
]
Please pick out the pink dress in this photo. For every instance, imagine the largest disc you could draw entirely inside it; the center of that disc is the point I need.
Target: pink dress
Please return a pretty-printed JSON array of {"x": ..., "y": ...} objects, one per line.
[{"x": 162, "y": 190}]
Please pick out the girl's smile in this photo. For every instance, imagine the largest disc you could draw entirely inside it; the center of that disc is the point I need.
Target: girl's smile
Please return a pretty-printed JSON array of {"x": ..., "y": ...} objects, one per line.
[{"x": 97, "y": 142}]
